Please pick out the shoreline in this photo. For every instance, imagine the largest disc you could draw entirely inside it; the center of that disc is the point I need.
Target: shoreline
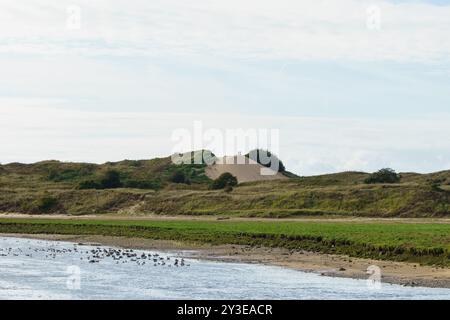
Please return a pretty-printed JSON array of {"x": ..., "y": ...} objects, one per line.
[{"x": 402, "y": 273}]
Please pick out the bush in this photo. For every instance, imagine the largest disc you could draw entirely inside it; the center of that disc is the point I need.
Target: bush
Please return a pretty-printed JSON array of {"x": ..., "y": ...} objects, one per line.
[
  {"x": 46, "y": 204},
  {"x": 225, "y": 180},
  {"x": 386, "y": 175},
  {"x": 256, "y": 155},
  {"x": 178, "y": 177},
  {"x": 111, "y": 180}
]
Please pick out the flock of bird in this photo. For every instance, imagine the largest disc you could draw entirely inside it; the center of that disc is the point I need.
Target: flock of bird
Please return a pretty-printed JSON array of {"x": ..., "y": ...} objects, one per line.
[{"x": 96, "y": 255}]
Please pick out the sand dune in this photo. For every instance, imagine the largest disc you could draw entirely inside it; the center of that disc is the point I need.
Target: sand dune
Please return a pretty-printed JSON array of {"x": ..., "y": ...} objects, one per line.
[{"x": 243, "y": 168}]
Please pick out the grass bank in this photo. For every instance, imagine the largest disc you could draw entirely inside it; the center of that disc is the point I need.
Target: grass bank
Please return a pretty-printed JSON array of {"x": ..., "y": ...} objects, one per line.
[{"x": 427, "y": 243}]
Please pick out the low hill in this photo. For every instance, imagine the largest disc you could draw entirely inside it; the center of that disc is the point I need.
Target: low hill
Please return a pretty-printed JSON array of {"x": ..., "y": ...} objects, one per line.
[
  {"x": 154, "y": 187},
  {"x": 139, "y": 174}
]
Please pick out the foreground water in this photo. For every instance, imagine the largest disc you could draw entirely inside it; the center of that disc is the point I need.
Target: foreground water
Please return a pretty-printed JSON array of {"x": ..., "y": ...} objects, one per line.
[{"x": 37, "y": 269}]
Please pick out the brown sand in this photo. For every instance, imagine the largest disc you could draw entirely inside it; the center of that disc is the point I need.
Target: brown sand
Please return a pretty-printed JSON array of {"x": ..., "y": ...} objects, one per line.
[
  {"x": 410, "y": 274},
  {"x": 243, "y": 168}
]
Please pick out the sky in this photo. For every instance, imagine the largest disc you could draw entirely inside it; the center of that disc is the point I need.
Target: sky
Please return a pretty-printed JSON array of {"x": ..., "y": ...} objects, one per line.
[{"x": 349, "y": 84}]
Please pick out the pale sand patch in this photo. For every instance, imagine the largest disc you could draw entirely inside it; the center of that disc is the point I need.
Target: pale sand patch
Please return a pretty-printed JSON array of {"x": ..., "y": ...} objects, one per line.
[
  {"x": 411, "y": 274},
  {"x": 243, "y": 168}
]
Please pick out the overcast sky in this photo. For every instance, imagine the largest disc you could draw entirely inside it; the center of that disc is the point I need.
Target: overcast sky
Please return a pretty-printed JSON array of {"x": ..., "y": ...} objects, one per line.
[{"x": 351, "y": 85}]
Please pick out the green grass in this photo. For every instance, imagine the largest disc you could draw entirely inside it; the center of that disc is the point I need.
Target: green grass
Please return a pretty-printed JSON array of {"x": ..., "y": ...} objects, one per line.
[{"x": 426, "y": 243}]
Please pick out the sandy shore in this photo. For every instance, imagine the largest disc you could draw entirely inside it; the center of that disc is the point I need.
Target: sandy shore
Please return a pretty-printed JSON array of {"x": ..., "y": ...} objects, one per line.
[{"x": 410, "y": 274}]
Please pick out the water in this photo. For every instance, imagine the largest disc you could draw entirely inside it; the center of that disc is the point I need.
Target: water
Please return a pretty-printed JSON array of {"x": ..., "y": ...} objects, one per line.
[{"x": 37, "y": 269}]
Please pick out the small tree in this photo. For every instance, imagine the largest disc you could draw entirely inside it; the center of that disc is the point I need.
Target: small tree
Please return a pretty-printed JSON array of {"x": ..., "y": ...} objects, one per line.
[
  {"x": 225, "y": 179},
  {"x": 385, "y": 175}
]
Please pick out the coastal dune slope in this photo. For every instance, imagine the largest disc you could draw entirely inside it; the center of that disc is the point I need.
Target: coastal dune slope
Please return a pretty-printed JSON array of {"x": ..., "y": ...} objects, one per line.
[{"x": 154, "y": 187}]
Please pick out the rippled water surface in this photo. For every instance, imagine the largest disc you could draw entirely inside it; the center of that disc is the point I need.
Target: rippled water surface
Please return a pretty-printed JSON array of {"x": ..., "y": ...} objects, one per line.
[{"x": 36, "y": 269}]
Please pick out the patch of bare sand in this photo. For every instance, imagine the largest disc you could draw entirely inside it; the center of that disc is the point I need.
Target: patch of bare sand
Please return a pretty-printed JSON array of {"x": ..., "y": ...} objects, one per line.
[
  {"x": 243, "y": 168},
  {"x": 410, "y": 274}
]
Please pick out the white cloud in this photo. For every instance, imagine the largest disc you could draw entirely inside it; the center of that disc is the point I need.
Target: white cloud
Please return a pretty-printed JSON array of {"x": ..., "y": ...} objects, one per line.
[
  {"x": 285, "y": 29},
  {"x": 46, "y": 69},
  {"x": 308, "y": 145}
]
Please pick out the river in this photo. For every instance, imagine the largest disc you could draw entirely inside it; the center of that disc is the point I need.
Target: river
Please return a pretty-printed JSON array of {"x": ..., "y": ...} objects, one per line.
[{"x": 38, "y": 269}]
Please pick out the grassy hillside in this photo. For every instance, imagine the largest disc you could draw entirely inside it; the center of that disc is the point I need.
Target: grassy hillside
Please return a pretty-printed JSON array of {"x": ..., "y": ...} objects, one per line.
[
  {"x": 146, "y": 187},
  {"x": 427, "y": 243},
  {"x": 142, "y": 174}
]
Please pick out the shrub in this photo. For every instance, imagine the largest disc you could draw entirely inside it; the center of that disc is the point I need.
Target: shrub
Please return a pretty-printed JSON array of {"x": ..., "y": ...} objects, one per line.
[
  {"x": 178, "y": 177},
  {"x": 46, "y": 204},
  {"x": 111, "y": 180},
  {"x": 260, "y": 155},
  {"x": 226, "y": 179},
  {"x": 385, "y": 175}
]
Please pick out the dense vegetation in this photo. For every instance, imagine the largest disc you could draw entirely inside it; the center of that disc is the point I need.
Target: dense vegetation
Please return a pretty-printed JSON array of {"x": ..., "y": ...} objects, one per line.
[
  {"x": 427, "y": 243},
  {"x": 224, "y": 180},
  {"x": 139, "y": 174},
  {"x": 160, "y": 187},
  {"x": 386, "y": 175}
]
